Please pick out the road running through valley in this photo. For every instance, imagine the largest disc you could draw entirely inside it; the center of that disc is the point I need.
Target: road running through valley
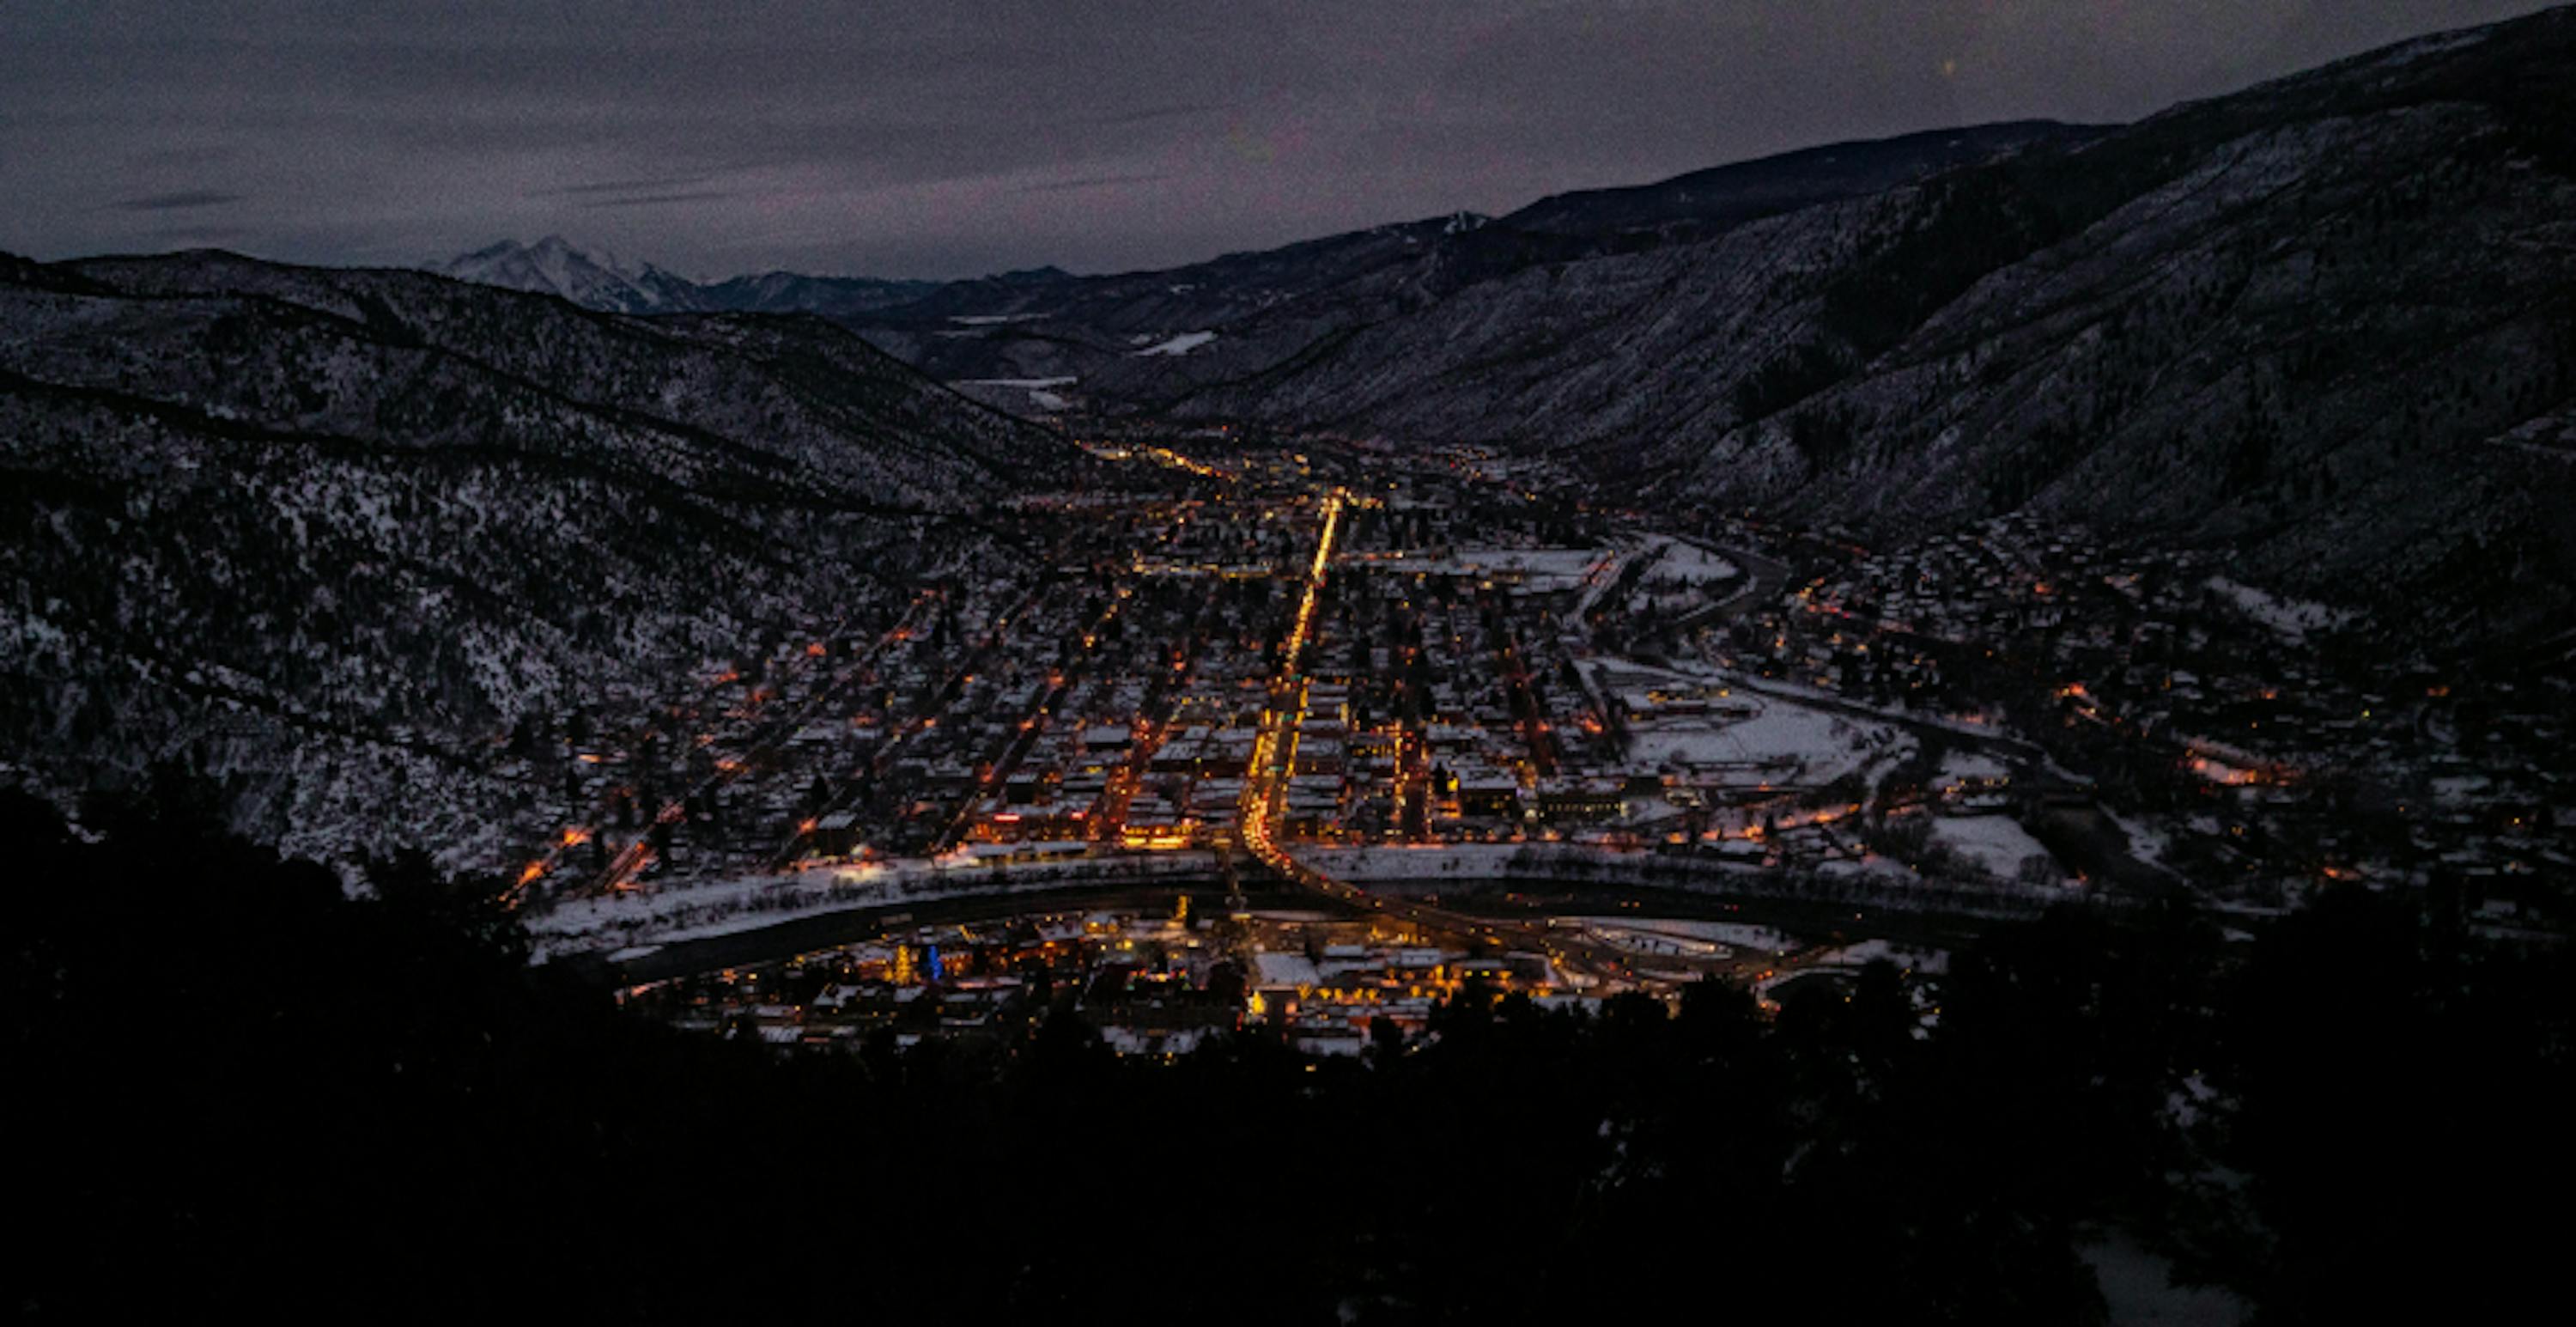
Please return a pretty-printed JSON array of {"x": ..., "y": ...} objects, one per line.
[{"x": 1265, "y": 801}]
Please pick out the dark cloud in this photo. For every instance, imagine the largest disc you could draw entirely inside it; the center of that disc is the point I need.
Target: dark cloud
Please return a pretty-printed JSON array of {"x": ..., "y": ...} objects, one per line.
[
  {"x": 191, "y": 237},
  {"x": 169, "y": 158},
  {"x": 1094, "y": 182},
  {"x": 899, "y": 138},
  {"x": 1163, "y": 113},
  {"x": 622, "y": 186},
  {"x": 173, "y": 202},
  {"x": 657, "y": 200}
]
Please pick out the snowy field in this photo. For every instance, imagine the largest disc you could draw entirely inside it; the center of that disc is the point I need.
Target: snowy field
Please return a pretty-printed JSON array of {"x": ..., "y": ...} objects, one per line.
[
  {"x": 1996, "y": 843},
  {"x": 1689, "y": 564},
  {"x": 1681, "y": 576},
  {"x": 1545, "y": 568},
  {"x": 1687, "y": 935},
  {"x": 1883, "y": 872},
  {"x": 1971, "y": 767},
  {"x": 1782, "y": 744}
]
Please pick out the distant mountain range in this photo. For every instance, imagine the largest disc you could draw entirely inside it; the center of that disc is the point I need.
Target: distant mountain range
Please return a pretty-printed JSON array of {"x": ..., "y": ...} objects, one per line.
[
  {"x": 2327, "y": 324},
  {"x": 990, "y": 335},
  {"x": 596, "y": 279},
  {"x": 327, "y": 536}
]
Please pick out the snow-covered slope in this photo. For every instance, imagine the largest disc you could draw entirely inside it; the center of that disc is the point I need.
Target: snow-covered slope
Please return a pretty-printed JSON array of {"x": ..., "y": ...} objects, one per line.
[{"x": 329, "y": 536}]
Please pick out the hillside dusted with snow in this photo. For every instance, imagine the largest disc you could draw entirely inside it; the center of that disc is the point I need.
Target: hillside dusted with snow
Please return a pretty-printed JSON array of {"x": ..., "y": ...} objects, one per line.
[
  {"x": 1146, "y": 340},
  {"x": 595, "y": 279},
  {"x": 2328, "y": 324},
  {"x": 1139, "y": 340},
  {"x": 330, "y": 536}
]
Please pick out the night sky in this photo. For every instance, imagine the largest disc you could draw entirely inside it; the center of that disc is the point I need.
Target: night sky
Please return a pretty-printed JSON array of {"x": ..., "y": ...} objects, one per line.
[{"x": 952, "y": 137}]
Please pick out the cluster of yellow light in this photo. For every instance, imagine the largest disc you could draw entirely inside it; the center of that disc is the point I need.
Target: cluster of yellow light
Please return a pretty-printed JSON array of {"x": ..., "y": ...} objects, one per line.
[
  {"x": 1165, "y": 456},
  {"x": 2218, "y": 773},
  {"x": 1157, "y": 838}
]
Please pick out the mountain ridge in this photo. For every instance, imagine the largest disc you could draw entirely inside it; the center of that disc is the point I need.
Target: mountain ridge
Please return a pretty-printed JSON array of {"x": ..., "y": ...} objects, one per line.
[
  {"x": 1270, "y": 306},
  {"x": 2273, "y": 322}
]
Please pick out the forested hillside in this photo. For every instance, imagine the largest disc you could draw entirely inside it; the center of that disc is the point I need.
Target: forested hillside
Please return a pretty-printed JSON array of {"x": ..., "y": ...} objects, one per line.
[
  {"x": 373, "y": 1107},
  {"x": 328, "y": 536}
]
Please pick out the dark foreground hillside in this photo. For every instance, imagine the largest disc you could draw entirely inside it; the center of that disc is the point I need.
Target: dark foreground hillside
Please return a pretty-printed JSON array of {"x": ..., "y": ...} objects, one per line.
[{"x": 239, "y": 1091}]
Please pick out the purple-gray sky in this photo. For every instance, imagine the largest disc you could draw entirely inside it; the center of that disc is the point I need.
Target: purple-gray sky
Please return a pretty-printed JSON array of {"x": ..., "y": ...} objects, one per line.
[{"x": 950, "y": 137}]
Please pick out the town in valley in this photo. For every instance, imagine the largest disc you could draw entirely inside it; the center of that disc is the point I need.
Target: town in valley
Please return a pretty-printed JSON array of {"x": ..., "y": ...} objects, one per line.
[{"x": 1314, "y": 733}]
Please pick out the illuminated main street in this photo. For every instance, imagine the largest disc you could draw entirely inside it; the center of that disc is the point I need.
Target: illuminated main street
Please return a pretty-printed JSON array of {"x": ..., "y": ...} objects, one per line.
[{"x": 1265, "y": 793}]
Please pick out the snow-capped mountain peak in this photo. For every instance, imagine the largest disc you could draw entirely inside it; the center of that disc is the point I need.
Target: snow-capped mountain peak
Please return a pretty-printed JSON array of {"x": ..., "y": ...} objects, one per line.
[{"x": 592, "y": 278}]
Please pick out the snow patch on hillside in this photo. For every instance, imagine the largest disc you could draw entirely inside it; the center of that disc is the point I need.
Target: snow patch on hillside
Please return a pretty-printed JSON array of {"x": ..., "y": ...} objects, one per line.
[
  {"x": 2292, "y": 619},
  {"x": 1179, "y": 345}
]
